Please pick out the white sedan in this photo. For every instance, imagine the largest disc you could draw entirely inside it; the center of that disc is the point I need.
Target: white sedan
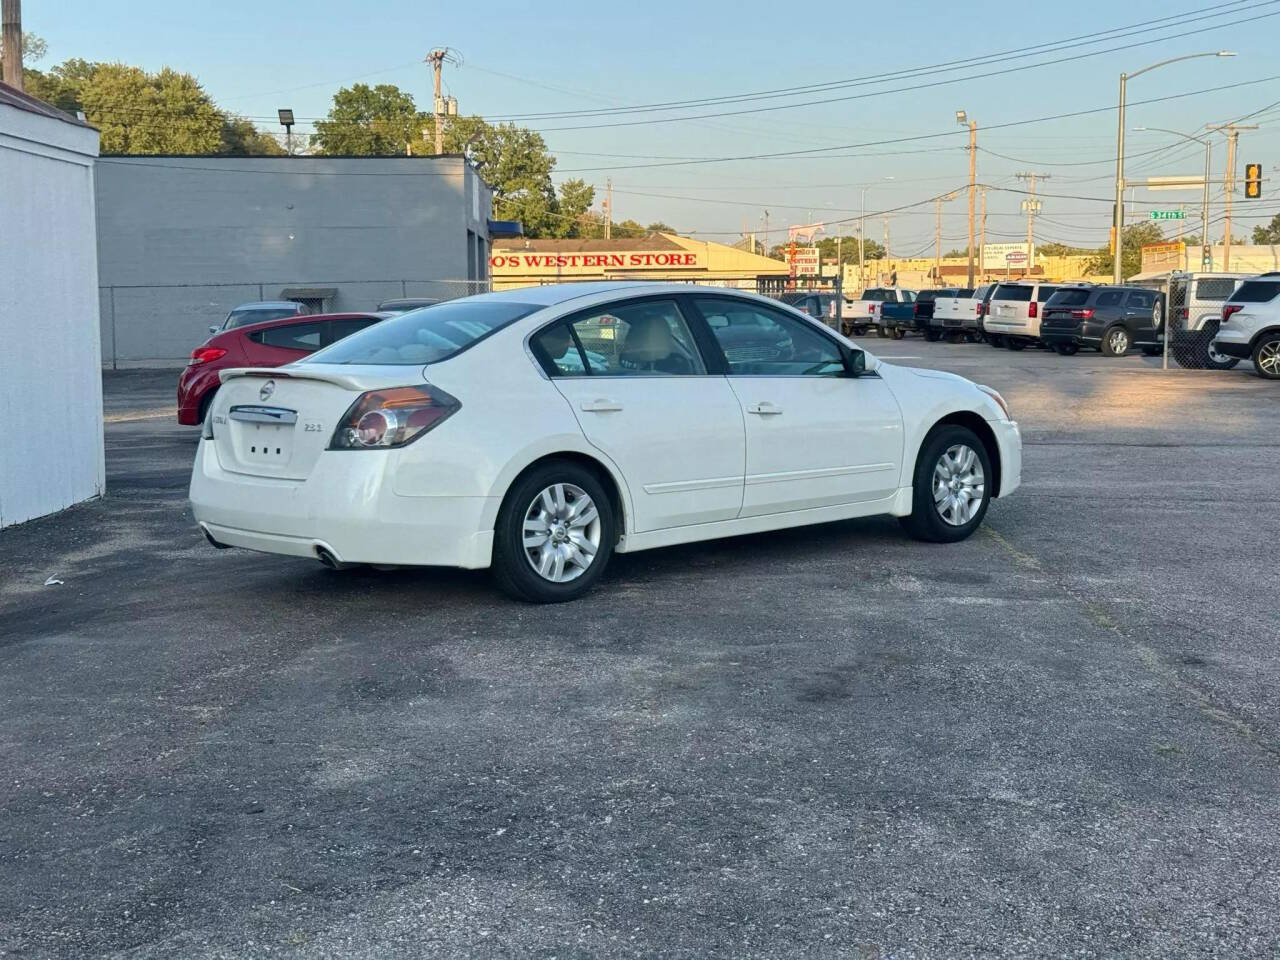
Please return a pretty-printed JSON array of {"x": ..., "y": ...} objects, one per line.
[{"x": 537, "y": 431}]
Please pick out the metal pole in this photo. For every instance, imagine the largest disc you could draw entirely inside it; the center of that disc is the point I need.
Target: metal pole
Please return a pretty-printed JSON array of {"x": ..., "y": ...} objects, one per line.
[
  {"x": 862, "y": 246},
  {"x": 937, "y": 245},
  {"x": 1117, "y": 219},
  {"x": 1031, "y": 214},
  {"x": 973, "y": 187},
  {"x": 11, "y": 42},
  {"x": 982, "y": 256},
  {"x": 1206, "y": 251},
  {"x": 1232, "y": 138}
]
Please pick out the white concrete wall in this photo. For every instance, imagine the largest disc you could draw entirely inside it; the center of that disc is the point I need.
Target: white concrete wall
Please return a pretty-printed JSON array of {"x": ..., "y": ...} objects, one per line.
[{"x": 50, "y": 363}]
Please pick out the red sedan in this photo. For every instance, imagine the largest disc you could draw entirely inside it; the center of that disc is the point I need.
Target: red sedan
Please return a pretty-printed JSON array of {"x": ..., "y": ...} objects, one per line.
[{"x": 272, "y": 343}]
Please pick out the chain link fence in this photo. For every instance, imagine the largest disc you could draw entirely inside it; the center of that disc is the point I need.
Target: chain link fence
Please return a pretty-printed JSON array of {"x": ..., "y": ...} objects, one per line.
[{"x": 1194, "y": 312}]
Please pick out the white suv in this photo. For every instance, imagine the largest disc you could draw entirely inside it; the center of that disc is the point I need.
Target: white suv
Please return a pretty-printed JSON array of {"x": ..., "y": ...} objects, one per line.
[
  {"x": 1250, "y": 328},
  {"x": 1013, "y": 316}
]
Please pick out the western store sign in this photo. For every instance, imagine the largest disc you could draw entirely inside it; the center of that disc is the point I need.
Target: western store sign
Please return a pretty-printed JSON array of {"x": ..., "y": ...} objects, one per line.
[{"x": 632, "y": 260}]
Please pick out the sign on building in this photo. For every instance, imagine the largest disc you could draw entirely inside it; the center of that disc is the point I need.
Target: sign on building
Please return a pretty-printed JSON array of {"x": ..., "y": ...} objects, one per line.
[
  {"x": 996, "y": 255},
  {"x": 804, "y": 261},
  {"x": 1158, "y": 257}
]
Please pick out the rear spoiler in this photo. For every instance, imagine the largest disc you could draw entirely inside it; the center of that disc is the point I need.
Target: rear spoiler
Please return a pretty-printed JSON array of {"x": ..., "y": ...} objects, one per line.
[{"x": 275, "y": 373}]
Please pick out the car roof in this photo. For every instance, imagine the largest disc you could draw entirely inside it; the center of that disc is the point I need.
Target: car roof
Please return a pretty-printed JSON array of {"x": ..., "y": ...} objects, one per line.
[{"x": 268, "y": 305}]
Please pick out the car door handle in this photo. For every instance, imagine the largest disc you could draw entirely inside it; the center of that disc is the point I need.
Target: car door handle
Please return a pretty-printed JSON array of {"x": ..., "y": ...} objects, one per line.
[
  {"x": 601, "y": 405},
  {"x": 765, "y": 409}
]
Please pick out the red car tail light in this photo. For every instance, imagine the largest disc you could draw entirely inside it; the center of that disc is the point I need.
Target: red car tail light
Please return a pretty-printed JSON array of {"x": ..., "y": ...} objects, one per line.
[
  {"x": 1183, "y": 313},
  {"x": 395, "y": 417},
  {"x": 1229, "y": 308},
  {"x": 871, "y": 309},
  {"x": 205, "y": 355},
  {"x": 1085, "y": 314},
  {"x": 1033, "y": 310},
  {"x": 982, "y": 308}
]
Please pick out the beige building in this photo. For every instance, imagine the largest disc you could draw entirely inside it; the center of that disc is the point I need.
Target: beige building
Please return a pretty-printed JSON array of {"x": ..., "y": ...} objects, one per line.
[{"x": 660, "y": 256}]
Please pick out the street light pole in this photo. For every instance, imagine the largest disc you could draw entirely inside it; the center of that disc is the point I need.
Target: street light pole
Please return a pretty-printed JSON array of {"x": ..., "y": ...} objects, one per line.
[
  {"x": 1206, "y": 251},
  {"x": 1117, "y": 219},
  {"x": 963, "y": 118}
]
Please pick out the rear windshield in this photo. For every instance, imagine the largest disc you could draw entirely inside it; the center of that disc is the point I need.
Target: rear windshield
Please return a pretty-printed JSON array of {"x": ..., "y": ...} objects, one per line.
[
  {"x": 1068, "y": 298},
  {"x": 925, "y": 296},
  {"x": 242, "y": 318},
  {"x": 1255, "y": 291},
  {"x": 965, "y": 293},
  {"x": 428, "y": 335},
  {"x": 1012, "y": 291}
]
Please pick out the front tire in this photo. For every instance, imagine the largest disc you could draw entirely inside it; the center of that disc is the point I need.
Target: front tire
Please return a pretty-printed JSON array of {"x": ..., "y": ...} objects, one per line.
[
  {"x": 952, "y": 486},
  {"x": 1266, "y": 357},
  {"x": 555, "y": 534}
]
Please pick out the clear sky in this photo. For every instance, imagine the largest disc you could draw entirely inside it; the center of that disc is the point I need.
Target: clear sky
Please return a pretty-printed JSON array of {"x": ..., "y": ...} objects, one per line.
[{"x": 523, "y": 58}]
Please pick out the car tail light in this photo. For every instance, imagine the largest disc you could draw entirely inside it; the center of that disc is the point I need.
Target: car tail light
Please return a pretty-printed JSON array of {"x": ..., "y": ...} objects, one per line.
[
  {"x": 1085, "y": 314},
  {"x": 395, "y": 417},
  {"x": 982, "y": 308},
  {"x": 1183, "y": 313},
  {"x": 871, "y": 309},
  {"x": 205, "y": 355},
  {"x": 1228, "y": 309},
  {"x": 1033, "y": 310}
]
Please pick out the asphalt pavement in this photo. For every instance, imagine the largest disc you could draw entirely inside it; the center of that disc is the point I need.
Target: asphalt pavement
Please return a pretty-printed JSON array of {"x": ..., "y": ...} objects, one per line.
[{"x": 1058, "y": 738}]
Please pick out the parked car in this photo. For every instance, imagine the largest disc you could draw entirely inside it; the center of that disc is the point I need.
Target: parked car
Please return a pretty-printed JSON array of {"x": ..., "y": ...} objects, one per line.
[
  {"x": 1250, "y": 327},
  {"x": 405, "y": 304},
  {"x": 896, "y": 318},
  {"x": 465, "y": 436},
  {"x": 1195, "y": 303},
  {"x": 1112, "y": 319},
  {"x": 259, "y": 312},
  {"x": 271, "y": 343},
  {"x": 858, "y": 316},
  {"x": 961, "y": 314},
  {"x": 819, "y": 304},
  {"x": 926, "y": 305},
  {"x": 1012, "y": 318}
]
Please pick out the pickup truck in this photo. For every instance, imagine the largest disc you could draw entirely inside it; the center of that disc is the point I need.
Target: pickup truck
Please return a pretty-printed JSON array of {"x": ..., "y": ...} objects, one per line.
[
  {"x": 857, "y": 316},
  {"x": 961, "y": 314}
]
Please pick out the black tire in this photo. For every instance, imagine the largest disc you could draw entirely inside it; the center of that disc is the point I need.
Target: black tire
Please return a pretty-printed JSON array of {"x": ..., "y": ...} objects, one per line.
[
  {"x": 925, "y": 522},
  {"x": 512, "y": 570},
  {"x": 1068, "y": 349},
  {"x": 1266, "y": 356},
  {"x": 996, "y": 340},
  {"x": 1013, "y": 343},
  {"x": 1111, "y": 341},
  {"x": 898, "y": 333},
  {"x": 880, "y": 331},
  {"x": 932, "y": 335}
]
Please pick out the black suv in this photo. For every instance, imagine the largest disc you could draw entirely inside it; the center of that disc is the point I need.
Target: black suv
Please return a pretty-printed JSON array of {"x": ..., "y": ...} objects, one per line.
[{"x": 1109, "y": 318}]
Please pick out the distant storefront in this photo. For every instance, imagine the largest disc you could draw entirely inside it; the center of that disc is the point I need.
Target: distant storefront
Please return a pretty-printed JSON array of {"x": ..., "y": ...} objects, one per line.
[{"x": 663, "y": 256}]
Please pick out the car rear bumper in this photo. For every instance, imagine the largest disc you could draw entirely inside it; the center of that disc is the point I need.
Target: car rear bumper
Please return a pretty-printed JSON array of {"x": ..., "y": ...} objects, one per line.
[
  {"x": 954, "y": 323},
  {"x": 346, "y": 507},
  {"x": 1013, "y": 328},
  {"x": 194, "y": 385},
  {"x": 1232, "y": 348}
]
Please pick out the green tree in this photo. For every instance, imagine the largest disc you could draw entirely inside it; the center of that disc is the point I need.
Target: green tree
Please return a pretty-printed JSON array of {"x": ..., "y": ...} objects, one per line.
[
  {"x": 514, "y": 161},
  {"x": 240, "y": 138},
  {"x": 1134, "y": 237},
  {"x": 827, "y": 247},
  {"x": 33, "y": 48},
  {"x": 573, "y": 208},
  {"x": 1270, "y": 233},
  {"x": 367, "y": 121},
  {"x": 1061, "y": 250}
]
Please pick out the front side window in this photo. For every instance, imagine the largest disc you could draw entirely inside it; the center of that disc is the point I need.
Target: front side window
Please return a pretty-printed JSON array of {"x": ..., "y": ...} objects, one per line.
[
  {"x": 649, "y": 338},
  {"x": 292, "y": 336},
  {"x": 428, "y": 335},
  {"x": 756, "y": 341}
]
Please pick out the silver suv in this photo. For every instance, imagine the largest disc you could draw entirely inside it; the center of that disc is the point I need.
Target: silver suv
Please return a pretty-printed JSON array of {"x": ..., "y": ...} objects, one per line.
[{"x": 1250, "y": 327}]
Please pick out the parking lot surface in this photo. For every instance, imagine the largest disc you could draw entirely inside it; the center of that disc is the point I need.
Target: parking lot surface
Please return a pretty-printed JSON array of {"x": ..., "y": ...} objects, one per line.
[{"x": 1060, "y": 737}]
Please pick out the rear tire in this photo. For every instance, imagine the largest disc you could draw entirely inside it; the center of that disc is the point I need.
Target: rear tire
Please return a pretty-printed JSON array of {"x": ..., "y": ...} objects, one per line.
[
  {"x": 996, "y": 340},
  {"x": 897, "y": 333},
  {"x": 1015, "y": 344},
  {"x": 1116, "y": 341},
  {"x": 1266, "y": 357},
  {"x": 946, "y": 485},
  {"x": 932, "y": 335},
  {"x": 880, "y": 331},
  {"x": 1068, "y": 349},
  {"x": 568, "y": 535}
]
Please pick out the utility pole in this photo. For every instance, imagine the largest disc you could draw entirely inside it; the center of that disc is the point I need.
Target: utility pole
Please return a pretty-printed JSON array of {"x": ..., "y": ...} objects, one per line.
[
  {"x": 1031, "y": 206},
  {"x": 1233, "y": 141},
  {"x": 862, "y": 243},
  {"x": 12, "y": 42},
  {"x": 436, "y": 58},
  {"x": 766, "y": 233},
  {"x": 888, "y": 261},
  {"x": 937, "y": 240},
  {"x": 982, "y": 243},
  {"x": 963, "y": 118},
  {"x": 608, "y": 208}
]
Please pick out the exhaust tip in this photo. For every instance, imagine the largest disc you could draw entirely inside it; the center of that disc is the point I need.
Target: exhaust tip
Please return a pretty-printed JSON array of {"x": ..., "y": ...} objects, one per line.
[{"x": 329, "y": 561}]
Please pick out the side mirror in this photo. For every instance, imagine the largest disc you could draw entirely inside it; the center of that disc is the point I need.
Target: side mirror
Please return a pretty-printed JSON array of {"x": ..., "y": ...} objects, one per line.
[
  {"x": 214, "y": 328},
  {"x": 855, "y": 362}
]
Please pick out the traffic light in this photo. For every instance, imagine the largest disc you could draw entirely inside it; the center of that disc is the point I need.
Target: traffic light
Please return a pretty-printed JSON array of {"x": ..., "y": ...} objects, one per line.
[{"x": 1253, "y": 180}]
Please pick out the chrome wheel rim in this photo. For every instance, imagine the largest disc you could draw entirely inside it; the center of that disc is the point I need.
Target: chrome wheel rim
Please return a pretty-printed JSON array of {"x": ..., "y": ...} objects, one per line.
[
  {"x": 1269, "y": 358},
  {"x": 1119, "y": 341},
  {"x": 1217, "y": 357},
  {"x": 958, "y": 485},
  {"x": 561, "y": 533}
]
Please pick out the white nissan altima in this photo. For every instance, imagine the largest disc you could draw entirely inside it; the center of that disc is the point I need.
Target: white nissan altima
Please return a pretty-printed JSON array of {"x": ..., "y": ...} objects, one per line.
[{"x": 539, "y": 430}]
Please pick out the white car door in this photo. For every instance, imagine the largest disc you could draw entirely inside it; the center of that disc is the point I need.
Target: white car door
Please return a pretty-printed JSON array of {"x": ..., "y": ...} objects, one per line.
[
  {"x": 640, "y": 389},
  {"x": 816, "y": 437}
]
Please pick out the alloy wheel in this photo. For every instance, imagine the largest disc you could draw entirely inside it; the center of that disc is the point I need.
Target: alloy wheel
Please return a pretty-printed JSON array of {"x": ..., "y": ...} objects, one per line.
[
  {"x": 561, "y": 534},
  {"x": 1118, "y": 341},
  {"x": 958, "y": 485},
  {"x": 1269, "y": 358}
]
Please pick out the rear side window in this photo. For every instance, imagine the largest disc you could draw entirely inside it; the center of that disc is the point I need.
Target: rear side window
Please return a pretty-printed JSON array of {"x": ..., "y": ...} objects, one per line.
[
  {"x": 1214, "y": 288},
  {"x": 1012, "y": 291},
  {"x": 873, "y": 295},
  {"x": 1068, "y": 298},
  {"x": 1110, "y": 298},
  {"x": 1255, "y": 291},
  {"x": 1045, "y": 293},
  {"x": 647, "y": 339},
  {"x": 1141, "y": 300},
  {"x": 428, "y": 335},
  {"x": 292, "y": 336},
  {"x": 341, "y": 329}
]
